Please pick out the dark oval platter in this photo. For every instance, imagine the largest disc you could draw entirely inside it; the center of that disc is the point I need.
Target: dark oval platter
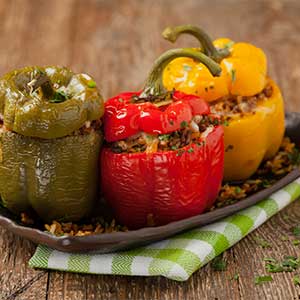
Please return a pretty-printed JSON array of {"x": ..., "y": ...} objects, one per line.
[{"x": 109, "y": 242}]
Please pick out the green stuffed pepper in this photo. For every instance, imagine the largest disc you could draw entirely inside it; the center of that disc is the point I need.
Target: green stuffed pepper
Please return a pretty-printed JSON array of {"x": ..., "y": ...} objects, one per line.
[{"x": 50, "y": 139}]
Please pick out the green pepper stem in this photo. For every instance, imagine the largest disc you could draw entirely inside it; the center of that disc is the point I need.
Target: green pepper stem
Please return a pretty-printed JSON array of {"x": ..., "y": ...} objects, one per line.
[
  {"x": 172, "y": 33},
  {"x": 154, "y": 85}
]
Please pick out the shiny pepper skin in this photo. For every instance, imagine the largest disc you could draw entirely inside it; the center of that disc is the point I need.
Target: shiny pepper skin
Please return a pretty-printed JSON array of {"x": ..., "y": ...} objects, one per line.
[
  {"x": 124, "y": 118},
  {"x": 163, "y": 186},
  {"x": 243, "y": 73},
  {"x": 253, "y": 138}
]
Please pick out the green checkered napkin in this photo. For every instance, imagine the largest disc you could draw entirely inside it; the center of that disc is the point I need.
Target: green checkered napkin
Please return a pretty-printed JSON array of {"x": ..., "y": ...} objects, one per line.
[{"x": 175, "y": 258}]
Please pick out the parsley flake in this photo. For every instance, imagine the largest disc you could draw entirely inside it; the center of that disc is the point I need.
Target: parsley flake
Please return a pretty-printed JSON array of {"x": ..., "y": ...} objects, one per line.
[
  {"x": 183, "y": 124},
  {"x": 285, "y": 217},
  {"x": 187, "y": 68},
  {"x": 233, "y": 75},
  {"x": 296, "y": 280},
  {"x": 296, "y": 231},
  {"x": 272, "y": 266},
  {"x": 296, "y": 242},
  {"x": 58, "y": 97},
  {"x": 262, "y": 242},
  {"x": 291, "y": 263},
  {"x": 288, "y": 264},
  {"x": 238, "y": 190},
  {"x": 180, "y": 152},
  {"x": 263, "y": 279},
  {"x": 218, "y": 264},
  {"x": 164, "y": 137},
  {"x": 91, "y": 84}
]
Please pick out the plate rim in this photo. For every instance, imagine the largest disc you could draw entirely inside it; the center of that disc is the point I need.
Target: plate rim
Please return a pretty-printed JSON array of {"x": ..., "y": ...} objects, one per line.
[{"x": 109, "y": 242}]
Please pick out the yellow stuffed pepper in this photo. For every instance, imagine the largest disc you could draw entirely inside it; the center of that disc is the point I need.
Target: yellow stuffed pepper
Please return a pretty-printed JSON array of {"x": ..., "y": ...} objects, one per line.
[{"x": 249, "y": 101}]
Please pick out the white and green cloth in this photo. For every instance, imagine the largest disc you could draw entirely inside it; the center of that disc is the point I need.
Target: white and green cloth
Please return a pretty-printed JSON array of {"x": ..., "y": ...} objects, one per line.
[{"x": 177, "y": 257}]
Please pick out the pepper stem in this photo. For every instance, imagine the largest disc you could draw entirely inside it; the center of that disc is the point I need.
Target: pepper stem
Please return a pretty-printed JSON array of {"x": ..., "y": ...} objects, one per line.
[
  {"x": 154, "y": 85},
  {"x": 172, "y": 33}
]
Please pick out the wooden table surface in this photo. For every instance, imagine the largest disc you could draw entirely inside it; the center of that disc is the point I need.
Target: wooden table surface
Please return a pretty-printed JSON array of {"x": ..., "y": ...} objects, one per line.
[{"x": 116, "y": 41}]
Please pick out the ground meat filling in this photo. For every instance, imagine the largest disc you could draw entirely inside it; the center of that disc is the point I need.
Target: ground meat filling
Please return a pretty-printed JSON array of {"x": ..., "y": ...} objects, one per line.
[
  {"x": 190, "y": 133},
  {"x": 88, "y": 127},
  {"x": 270, "y": 171},
  {"x": 230, "y": 105}
]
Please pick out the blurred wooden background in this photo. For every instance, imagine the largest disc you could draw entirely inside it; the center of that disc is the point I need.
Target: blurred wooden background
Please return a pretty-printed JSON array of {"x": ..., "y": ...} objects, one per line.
[{"x": 116, "y": 42}]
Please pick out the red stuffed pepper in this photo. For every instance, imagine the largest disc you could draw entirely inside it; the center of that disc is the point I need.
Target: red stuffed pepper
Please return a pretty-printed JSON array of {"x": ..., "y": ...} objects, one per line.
[{"x": 164, "y": 153}]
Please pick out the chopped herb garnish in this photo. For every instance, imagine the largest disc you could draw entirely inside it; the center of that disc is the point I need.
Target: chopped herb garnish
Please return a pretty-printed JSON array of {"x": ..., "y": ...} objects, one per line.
[
  {"x": 263, "y": 279},
  {"x": 284, "y": 238},
  {"x": 58, "y": 97},
  {"x": 164, "y": 137},
  {"x": 272, "y": 266},
  {"x": 173, "y": 147},
  {"x": 183, "y": 124},
  {"x": 288, "y": 264},
  {"x": 291, "y": 263},
  {"x": 187, "y": 68},
  {"x": 233, "y": 75},
  {"x": 296, "y": 231},
  {"x": 294, "y": 157},
  {"x": 91, "y": 84},
  {"x": 285, "y": 217},
  {"x": 296, "y": 280},
  {"x": 190, "y": 150},
  {"x": 266, "y": 183},
  {"x": 262, "y": 242},
  {"x": 215, "y": 121},
  {"x": 199, "y": 144},
  {"x": 238, "y": 190},
  {"x": 180, "y": 152},
  {"x": 296, "y": 242},
  {"x": 236, "y": 276},
  {"x": 226, "y": 123},
  {"x": 218, "y": 264}
]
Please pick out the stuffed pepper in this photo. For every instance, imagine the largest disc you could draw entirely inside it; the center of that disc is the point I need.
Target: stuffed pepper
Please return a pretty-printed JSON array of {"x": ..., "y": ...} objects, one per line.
[
  {"x": 49, "y": 142},
  {"x": 248, "y": 100},
  {"x": 164, "y": 152}
]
